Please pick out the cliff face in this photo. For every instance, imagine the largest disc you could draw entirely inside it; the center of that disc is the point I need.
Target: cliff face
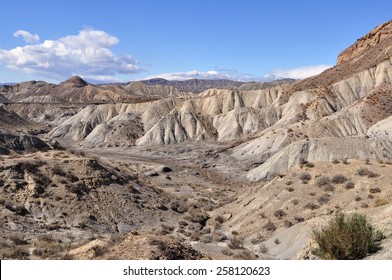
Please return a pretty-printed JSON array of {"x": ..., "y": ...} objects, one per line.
[{"x": 374, "y": 37}]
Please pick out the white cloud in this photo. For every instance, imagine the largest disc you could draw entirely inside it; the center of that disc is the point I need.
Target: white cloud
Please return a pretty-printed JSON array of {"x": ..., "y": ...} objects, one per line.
[
  {"x": 296, "y": 73},
  {"x": 27, "y": 36},
  {"x": 85, "y": 54},
  {"x": 208, "y": 75}
]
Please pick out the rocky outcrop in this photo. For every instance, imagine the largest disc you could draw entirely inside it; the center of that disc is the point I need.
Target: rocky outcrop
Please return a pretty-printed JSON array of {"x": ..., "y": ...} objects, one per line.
[
  {"x": 368, "y": 41},
  {"x": 3, "y": 99},
  {"x": 21, "y": 142}
]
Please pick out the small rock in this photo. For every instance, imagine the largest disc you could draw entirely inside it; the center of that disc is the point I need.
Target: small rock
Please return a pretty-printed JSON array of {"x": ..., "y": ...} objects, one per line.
[
  {"x": 124, "y": 228},
  {"x": 151, "y": 174},
  {"x": 163, "y": 169}
]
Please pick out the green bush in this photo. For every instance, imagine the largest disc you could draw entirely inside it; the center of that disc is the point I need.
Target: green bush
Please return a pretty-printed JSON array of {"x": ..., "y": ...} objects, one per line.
[{"x": 347, "y": 238}]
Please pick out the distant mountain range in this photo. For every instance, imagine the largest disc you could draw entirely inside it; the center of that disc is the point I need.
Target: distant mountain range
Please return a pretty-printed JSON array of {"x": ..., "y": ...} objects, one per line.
[{"x": 77, "y": 90}]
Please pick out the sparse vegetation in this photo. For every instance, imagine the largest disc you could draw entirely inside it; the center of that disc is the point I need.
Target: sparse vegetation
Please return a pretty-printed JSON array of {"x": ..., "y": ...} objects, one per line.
[
  {"x": 328, "y": 188},
  {"x": 339, "y": 179},
  {"x": 371, "y": 174},
  {"x": 259, "y": 238},
  {"x": 322, "y": 181},
  {"x": 362, "y": 171},
  {"x": 287, "y": 223},
  {"x": 309, "y": 164},
  {"x": 325, "y": 198},
  {"x": 246, "y": 255},
  {"x": 236, "y": 243},
  {"x": 346, "y": 238},
  {"x": 57, "y": 170},
  {"x": 98, "y": 250},
  {"x": 219, "y": 219},
  {"x": 349, "y": 185},
  {"x": 280, "y": 214},
  {"x": 311, "y": 206},
  {"x": 299, "y": 219},
  {"x": 227, "y": 252},
  {"x": 305, "y": 177},
  {"x": 263, "y": 249},
  {"x": 269, "y": 226},
  {"x": 375, "y": 190}
]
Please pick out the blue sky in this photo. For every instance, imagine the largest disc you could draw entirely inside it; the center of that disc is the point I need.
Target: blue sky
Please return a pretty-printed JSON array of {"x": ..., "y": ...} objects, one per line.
[{"x": 131, "y": 40}]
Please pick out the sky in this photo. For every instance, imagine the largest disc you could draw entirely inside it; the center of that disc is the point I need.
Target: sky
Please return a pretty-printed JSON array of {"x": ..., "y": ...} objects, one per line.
[{"x": 120, "y": 41}]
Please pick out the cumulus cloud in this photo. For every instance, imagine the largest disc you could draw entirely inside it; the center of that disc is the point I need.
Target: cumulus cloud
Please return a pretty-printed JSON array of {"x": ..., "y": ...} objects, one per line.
[
  {"x": 86, "y": 54},
  {"x": 296, "y": 73},
  {"x": 207, "y": 75},
  {"x": 27, "y": 36}
]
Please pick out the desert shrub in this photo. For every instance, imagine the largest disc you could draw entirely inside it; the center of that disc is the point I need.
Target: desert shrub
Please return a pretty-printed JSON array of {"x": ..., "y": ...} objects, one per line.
[
  {"x": 99, "y": 250},
  {"x": 236, "y": 243},
  {"x": 57, "y": 170},
  {"x": 263, "y": 249},
  {"x": 176, "y": 251},
  {"x": 349, "y": 185},
  {"x": 374, "y": 190},
  {"x": 346, "y": 238},
  {"x": 311, "y": 206},
  {"x": 279, "y": 214},
  {"x": 227, "y": 252},
  {"x": 259, "y": 238},
  {"x": 358, "y": 198},
  {"x": 328, "y": 188},
  {"x": 270, "y": 226},
  {"x": 364, "y": 205},
  {"x": 67, "y": 257},
  {"x": 287, "y": 223},
  {"x": 17, "y": 240},
  {"x": 27, "y": 166},
  {"x": 362, "y": 171},
  {"x": 295, "y": 201},
  {"x": 246, "y": 255},
  {"x": 277, "y": 241},
  {"x": 309, "y": 164},
  {"x": 325, "y": 198},
  {"x": 19, "y": 253},
  {"x": 165, "y": 229},
  {"x": 218, "y": 236},
  {"x": 335, "y": 161},
  {"x": 38, "y": 252},
  {"x": 322, "y": 181},
  {"x": 371, "y": 174},
  {"x": 305, "y": 177},
  {"x": 299, "y": 219},
  {"x": 345, "y": 161},
  {"x": 339, "y": 179},
  {"x": 219, "y": 219}
]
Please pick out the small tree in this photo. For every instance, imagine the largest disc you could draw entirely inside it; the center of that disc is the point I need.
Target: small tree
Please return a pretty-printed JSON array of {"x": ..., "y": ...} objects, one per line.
[{"x": 347, "y": 238}]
